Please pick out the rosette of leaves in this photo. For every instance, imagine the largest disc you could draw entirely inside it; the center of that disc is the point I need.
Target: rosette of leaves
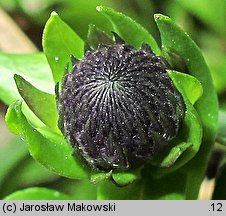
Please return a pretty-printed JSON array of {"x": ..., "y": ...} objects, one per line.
[{"x": 177, "y": 172}]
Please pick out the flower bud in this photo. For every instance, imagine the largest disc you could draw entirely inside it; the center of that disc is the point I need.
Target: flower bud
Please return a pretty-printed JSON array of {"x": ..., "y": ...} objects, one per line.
[{"x": 118, "y": 107}]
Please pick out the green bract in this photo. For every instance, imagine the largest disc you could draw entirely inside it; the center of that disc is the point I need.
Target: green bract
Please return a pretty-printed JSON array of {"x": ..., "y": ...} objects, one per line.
[{"x": 35, "y": 117}]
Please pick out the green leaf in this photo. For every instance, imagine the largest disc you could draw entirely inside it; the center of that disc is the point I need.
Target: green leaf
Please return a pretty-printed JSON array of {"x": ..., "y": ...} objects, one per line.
[
  {"x": 176, "y": 41},
  {"x": 192, "y": 128},
  {"x": 188, "y": 85},
  {"x": 59, "y": 42},
  {"x": 174, "y": 153},
  {"x": 42, "y": 104},
  {"x": 100, "y": 176},
  {"x": 33, "y": 67},
  {"x": 47, "y": 147},
  {"x": 221, "y": 135},
  {"x": 96, "y": 36},
  {"x": 187, "y": 143},
  {"x": 37, "y": 194},
  {"x": 119, "y": 178},
  {"x": 169, "y": 187},
  {"x": 125, "y": 178},
  {"x": 132, "y": 32},
  {"x": 14, "y": 124}
]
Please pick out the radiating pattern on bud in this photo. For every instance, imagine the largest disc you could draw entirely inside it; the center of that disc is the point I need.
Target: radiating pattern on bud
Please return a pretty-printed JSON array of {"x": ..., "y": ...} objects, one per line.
[{"x": 118, "y": 107}]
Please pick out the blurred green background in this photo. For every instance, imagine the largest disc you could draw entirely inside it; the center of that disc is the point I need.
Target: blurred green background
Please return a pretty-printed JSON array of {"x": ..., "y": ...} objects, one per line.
[{"x": 203, "y": 19}]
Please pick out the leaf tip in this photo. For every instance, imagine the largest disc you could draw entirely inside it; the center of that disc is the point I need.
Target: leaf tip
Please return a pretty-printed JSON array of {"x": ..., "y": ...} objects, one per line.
[
  {"x": 54, "y": 13},
  {"x": 159, "y": 16},
  {"x": 16, "y": 77},
  {"x": 12, "y": 115},
  {"x": 124, "y": 179}
]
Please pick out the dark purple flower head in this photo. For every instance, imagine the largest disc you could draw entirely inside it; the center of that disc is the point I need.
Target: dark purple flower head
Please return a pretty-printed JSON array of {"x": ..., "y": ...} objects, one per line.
[{"x": 118, "y": 107}]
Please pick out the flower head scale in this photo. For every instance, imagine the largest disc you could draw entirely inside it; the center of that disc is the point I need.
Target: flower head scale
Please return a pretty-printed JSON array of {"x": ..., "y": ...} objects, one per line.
[{"x": 118, "y": 107}]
